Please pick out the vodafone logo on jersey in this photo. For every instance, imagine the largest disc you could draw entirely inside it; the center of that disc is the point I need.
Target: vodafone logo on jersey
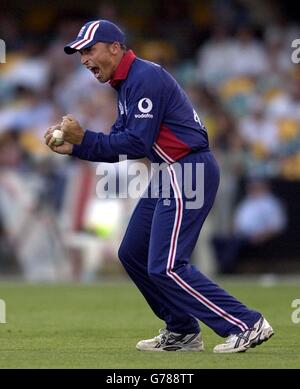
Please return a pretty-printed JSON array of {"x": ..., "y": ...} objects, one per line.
[{"x": 145, "y": 106}]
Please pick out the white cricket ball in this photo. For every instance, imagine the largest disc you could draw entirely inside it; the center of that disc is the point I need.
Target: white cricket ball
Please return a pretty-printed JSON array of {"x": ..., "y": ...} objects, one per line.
[{"x": 58, "y": 135}]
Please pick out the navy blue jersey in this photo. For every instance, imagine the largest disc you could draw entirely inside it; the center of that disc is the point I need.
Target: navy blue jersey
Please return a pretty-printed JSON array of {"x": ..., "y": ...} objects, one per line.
[{"x": 156, "y": 119}]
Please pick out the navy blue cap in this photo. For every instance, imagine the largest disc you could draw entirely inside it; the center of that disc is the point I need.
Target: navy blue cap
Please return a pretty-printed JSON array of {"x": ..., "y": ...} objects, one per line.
[{"x": 93, "y": 32}]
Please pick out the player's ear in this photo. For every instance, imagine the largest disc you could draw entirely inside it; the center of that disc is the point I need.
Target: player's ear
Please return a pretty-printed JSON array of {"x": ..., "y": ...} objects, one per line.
[{"x": 114, "y": 48}]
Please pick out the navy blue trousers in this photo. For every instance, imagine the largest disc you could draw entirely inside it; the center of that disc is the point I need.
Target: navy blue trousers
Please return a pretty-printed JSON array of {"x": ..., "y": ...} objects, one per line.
[{"x": 156, "y": 251}]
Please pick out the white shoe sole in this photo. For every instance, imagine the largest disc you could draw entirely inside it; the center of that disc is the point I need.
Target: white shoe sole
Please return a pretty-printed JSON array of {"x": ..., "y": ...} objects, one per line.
[{"x": 197, "y": 348}]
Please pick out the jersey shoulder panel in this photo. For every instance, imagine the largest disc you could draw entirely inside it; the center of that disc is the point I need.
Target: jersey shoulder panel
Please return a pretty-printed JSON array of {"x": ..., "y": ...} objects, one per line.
[{"x": 146, "y": 73}]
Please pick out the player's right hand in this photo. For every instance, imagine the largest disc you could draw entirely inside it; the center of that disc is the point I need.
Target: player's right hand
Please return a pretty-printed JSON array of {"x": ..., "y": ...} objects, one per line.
[{"x": 65, "y": 148}]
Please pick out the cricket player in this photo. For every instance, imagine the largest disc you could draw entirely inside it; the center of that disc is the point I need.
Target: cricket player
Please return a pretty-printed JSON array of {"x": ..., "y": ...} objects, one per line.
[{"x": 156, "y": 120}]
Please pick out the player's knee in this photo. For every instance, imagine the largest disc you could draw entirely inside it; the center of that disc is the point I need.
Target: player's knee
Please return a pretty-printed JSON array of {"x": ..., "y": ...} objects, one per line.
[{"x": 156, "y": 274}]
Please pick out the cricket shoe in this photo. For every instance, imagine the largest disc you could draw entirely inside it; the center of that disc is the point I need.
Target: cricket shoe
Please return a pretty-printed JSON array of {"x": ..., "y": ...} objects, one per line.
[
  {"x": 170, "y": 341},
  {"x": 252, "y": 337}
]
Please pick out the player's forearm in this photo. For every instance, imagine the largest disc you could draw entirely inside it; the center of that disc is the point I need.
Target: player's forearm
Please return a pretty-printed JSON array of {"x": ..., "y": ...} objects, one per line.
[{"x": 99, "y": 147}]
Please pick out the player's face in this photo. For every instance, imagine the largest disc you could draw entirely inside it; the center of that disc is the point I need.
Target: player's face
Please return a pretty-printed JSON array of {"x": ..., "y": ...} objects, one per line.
[{"x": 100, "y": 59}]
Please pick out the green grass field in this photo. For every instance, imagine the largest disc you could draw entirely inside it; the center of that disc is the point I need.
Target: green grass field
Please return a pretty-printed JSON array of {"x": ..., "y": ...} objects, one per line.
[{"x": 97, "y": 326}]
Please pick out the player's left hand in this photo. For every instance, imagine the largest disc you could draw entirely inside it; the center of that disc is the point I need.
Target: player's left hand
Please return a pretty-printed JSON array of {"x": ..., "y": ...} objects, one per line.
[{"x": 73, "y": 132}]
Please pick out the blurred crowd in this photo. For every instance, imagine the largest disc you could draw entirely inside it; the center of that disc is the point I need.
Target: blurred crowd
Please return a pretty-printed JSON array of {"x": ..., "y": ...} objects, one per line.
[{"x": 235, "y": 67}]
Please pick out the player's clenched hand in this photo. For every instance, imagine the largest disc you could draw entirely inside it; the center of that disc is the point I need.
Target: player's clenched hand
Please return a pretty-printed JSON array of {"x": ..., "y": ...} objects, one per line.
[
  {"x": 73, "y": 132},
  {"x": 65, "y": 148},
  {"x": 49, "y": 132}
]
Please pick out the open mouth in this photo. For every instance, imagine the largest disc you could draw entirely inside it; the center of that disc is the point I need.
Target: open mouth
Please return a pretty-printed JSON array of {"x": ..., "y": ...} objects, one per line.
[{"x": 95, "y": 70}]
